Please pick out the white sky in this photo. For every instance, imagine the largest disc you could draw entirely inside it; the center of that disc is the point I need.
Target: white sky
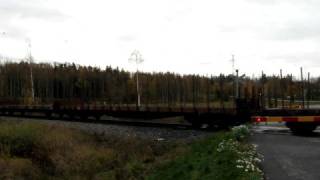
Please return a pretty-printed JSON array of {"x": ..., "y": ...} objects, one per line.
[{"x": 184, "y": 36}]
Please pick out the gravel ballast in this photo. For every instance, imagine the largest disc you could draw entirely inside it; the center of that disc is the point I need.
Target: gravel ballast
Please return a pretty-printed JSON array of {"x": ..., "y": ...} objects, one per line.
[{"x": 151, "y": 133}]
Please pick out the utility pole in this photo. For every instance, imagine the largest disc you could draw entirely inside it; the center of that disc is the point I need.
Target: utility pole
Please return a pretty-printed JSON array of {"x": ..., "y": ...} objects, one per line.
[
  {"x": 308, "y": 91},
  {"x": 263, "y": 81},
  {"x": 235, "y": 90},
  {"x": 208, "y": 92},
  {"x": 232, "y": 62},
  {"x": 237, "y": 84},
  {"x": 281, "y": 89},
  {"x": 31, "y": 73},
  {"x": 136, "y": 57},
  {"x": 2, "y": 34},
  {"x": 302, "y": 87}
]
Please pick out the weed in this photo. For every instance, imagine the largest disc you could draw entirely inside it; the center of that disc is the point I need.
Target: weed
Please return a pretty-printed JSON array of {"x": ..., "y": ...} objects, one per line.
[{"x": 39, "y": 151}]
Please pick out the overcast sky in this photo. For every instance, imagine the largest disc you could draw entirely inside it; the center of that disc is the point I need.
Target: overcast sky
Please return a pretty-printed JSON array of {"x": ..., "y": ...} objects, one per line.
[{"x": 184, "y": 36}]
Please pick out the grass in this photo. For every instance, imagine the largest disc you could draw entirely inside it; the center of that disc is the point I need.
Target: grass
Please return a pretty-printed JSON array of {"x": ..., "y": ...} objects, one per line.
[
  {"x": 225, "y": 156},
  {"x": 38, "y": 151}
]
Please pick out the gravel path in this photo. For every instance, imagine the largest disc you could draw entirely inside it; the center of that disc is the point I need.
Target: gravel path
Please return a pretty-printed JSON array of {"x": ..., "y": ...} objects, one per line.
[{"x": 152, "y": 133}]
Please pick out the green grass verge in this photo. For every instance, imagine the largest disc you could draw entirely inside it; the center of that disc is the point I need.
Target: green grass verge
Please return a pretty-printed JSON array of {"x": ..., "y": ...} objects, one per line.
[{"x": 224, "y": 156}]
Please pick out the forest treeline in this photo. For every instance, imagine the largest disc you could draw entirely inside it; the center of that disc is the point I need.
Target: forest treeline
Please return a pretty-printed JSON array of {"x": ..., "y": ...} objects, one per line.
[{"x": 116, "y": 86}]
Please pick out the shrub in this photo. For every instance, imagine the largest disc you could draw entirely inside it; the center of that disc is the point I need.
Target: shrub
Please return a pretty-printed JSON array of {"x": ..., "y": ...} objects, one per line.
[
  {"x": 56, "y": 150},
  {"x": 240, "y": 132},
  {"x": 221, "y": 156},
  {"x": 39, "y": 151},
  {"x": 18, "y": 139},
  {"x": 18, "y": 168}
]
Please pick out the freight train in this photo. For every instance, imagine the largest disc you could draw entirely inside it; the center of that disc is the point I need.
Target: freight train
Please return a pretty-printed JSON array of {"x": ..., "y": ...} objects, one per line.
[{"x": 298, "y": 120}]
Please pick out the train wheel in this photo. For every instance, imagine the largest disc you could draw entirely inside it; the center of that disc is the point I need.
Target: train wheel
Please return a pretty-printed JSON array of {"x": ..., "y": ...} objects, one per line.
[
  {"x": 49, "y": 115},
  {"x": 301, "y": 127},
  {"x": 198, "y": 124},
  {"x": 84, "y": 117},
  {"x": 60, "y": 115},
  {"x": 97, "y": 117}
]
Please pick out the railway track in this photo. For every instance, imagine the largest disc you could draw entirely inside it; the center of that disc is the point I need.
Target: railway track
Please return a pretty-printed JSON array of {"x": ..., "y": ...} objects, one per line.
[
  {"x": 111, "y": 121},
  {"x": 200, "y": 118},
  {"x": 121, "y": 129}
]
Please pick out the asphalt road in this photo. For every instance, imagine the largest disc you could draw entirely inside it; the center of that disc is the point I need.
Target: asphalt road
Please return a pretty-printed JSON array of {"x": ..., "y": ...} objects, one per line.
[{"x": 286, "y": 156}]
